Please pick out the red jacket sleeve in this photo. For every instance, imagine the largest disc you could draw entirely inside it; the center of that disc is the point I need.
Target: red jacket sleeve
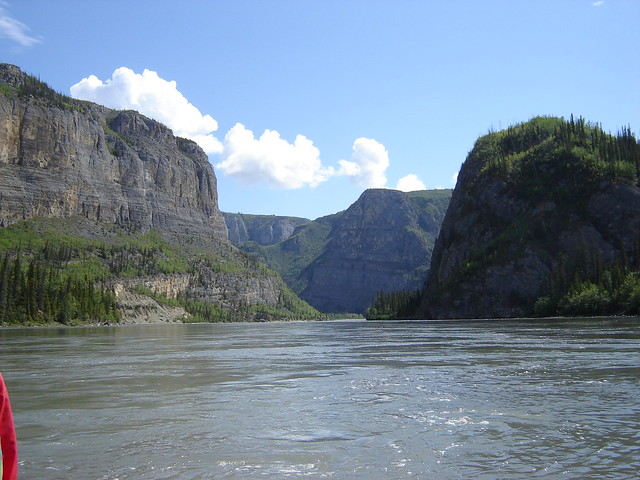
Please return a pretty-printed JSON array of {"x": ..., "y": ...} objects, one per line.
[{"x": 7, "y": 436}]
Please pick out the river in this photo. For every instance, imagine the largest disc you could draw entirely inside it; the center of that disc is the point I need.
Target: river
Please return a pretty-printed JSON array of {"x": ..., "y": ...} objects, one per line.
[{"x": 337, "y": 400}]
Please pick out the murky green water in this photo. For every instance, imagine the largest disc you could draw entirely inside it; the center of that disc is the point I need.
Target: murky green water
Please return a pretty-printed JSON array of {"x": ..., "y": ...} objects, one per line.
[{"x": 337, "y": 400}]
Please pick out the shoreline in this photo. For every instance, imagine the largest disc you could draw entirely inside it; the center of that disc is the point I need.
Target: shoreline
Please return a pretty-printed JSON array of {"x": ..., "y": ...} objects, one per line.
[
  {"x": 332, "y": 320},
  {"x": 150, "y": 324}
]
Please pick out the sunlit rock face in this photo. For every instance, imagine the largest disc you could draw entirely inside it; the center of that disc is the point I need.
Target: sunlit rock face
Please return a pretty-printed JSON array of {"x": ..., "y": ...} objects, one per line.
[
  {"x": 262, "y": 229},
  {"x": 65, "y": 159}
]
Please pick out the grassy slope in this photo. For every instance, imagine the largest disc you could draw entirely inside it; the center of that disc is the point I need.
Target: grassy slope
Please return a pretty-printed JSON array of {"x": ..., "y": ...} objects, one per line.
[
  {"x": 294, "y": 254},
  {"x": 72, "y": 256}
]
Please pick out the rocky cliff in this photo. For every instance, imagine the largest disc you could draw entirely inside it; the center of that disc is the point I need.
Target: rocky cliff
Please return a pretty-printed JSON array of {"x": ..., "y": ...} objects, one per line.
[
  {"x": 545, "y": 217},
  {"x": 262, "y": 229},
  {"x": 382, "y": 242},
  {"x": 61, "y": 159},
  {"x": 132, "y": 208}
]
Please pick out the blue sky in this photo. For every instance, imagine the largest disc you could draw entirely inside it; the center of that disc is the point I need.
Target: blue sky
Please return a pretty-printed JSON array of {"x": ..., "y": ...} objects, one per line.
[{"x": 303, "y": 104}]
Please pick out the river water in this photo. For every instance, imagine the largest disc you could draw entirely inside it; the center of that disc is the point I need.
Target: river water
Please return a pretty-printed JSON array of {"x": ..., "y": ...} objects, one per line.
[{"x": 336, "y": 400}]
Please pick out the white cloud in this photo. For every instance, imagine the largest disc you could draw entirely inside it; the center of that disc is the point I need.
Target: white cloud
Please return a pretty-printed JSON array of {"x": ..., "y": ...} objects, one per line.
[
  {"x": 410, "y": 183},
  {"x": 14, "y": 29},
  {"x": 268, "y": 158},
  {"x": 154, "y": 97},
  {"x": 598, "y": 3},
  {"x": 272, "y": 159},
  {"x": 368, "y": 164}
]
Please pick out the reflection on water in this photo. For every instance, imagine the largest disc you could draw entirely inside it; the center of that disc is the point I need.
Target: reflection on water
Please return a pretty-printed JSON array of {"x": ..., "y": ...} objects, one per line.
[{"x": 342, "y": 400}]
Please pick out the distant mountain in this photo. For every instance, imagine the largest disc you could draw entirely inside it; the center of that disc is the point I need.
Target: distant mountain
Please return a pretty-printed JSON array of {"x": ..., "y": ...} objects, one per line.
[
  {"x": 544, "y": 220},
  {"x": 262, "y": 229},
  {"x": 107, "y": 216},
  {"x": 338, "y": 263}
]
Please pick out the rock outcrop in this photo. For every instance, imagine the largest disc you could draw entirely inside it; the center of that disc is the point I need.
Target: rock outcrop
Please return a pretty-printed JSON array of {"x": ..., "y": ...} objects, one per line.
[
  {"x": 78, "y": 158},
  {"x": 538, "y": 210},
  {"x": 338, "y": 263},
  {"x": 139, "y": 308},
  {"x": 262, "y": 229}
]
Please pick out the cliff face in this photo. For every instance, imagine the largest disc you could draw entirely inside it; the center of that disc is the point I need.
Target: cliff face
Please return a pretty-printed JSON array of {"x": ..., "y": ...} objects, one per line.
[
  {"x": 338, "y": 263},
  {"x": 262, "y": 229},
  {"x": 458, "y": 287},
  {"x": 112, "y": 181},
  {"x": 108, "y": 166},
  {"x": 539, "y": 210},
  {"x": 383, "y": 242}
]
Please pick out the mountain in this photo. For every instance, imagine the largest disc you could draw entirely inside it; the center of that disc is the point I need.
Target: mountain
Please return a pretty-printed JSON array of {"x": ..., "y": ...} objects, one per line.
[
  {"x": 338, "y": 263},
  {"x": 544, "y": 220},
  {"x": 113, "y": 201},
  {"x": 262, "y": 229},
  {"x": 64, "y": 158}
]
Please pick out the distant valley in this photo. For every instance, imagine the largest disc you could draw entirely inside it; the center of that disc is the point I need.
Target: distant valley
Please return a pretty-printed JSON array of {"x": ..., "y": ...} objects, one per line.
[{"x": 338, "y": 263}]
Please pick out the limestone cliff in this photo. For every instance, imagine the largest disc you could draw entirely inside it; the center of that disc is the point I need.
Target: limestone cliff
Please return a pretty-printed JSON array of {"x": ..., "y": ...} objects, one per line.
[
  {"x": 262, "y": 229},
  {"x": 62, "y": 160},
  {"x": 382, "y": 242},
  {"x": 542, "y": 213},
  {"x": 132, "y": 208}
]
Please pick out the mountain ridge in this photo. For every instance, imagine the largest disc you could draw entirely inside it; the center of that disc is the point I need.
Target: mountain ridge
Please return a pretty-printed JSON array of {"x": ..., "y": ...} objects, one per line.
[
  {"x": 382, "y": 242},
  {"x": 116, "y": 211}
]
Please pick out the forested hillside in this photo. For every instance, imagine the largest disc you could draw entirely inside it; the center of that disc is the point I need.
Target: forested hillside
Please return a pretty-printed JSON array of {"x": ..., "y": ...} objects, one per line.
[
  {"x": 545, "y": 220},
  {"x": 49, "y": 274},
  {"x": 106, "y": 216}
]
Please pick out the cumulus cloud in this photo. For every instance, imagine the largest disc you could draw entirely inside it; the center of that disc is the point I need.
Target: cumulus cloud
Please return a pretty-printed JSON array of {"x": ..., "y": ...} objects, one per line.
[
  {"x": 14, "y": 29},
  {"x": 268, "y": 158},
  {"x": 410, "y": 183},
  {"x": 154, "y": 97},
  {"x": 368, "y": 164},
  {"x": 272, "y": 159}
]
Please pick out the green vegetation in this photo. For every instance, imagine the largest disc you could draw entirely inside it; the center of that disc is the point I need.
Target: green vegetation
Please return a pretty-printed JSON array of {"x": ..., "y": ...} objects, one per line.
[
  {"x": 288, "y": 307},
  {"x": 8, "y": 90},
  {"x": 430, "y": 200},
  {"x": 50, "y": 275},
  {"x": 585, "y": 285},
  {"x": 37, "y": 290},
  {"x": 294, "y": 254},
  {"x": 394, "y": 305},
  {"x": 545, "y": 171},
  {"x": 34, "y": 87},
  {"x": 344, "y": 316},
  {"x": 560, "y": 160},
  {"x": 43, "y": 279}
]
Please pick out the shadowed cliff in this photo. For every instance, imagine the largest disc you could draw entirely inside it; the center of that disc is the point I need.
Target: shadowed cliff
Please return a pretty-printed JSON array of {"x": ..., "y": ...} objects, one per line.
[{"x": 544, "y": 220}]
